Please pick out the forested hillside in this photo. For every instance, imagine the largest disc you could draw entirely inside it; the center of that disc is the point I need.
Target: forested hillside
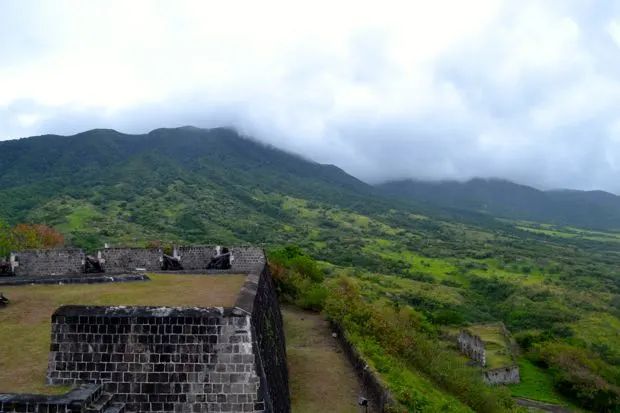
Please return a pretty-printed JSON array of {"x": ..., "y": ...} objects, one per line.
[
  {"x": 587, "y": 209},
  {"x": 386, "y": 266}
]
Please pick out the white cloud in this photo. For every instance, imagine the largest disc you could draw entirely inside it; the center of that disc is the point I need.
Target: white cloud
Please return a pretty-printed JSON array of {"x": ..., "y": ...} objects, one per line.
[{"x": 526, "y": 90}]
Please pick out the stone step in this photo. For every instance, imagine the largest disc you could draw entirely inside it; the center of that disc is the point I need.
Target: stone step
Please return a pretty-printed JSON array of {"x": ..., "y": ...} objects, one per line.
[
  {"x": 115, "y": 408},
  {"x": 100, "y": 404}
]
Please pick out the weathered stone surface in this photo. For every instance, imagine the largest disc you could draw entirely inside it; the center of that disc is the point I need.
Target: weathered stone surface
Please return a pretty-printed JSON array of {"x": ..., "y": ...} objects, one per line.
[
  {"x": 377, "y": 393},
  {"x": 269, "y": 344},
  {"x": 502, "y": 375},
  {"x": 473, "y": 347},
  {"x": 243, "y": 259},
  {"x": 57, "y": 261},
  {"x": 126, "y": 260}
]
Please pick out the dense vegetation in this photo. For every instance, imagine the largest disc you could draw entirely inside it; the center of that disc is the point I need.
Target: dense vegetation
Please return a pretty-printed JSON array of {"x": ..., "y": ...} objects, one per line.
[
  {"x": 556, "y": 287},
  {"x": 589, "y": 209}
]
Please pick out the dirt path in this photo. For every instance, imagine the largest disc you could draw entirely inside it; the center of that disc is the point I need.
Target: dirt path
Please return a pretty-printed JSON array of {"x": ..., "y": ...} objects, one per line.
[
  {"x": 321, "y": 378},
  {"x": 542, "y": 406}
]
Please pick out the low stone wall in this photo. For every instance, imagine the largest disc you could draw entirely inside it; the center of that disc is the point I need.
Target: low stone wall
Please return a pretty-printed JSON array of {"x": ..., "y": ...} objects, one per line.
[
  {"x": 195, "y": 257},
  {"x": 57, "y": 261},
  {"x": 126, "y": 260},
  {"x": 379, "y": 397},
  {"x": 502, "y": 375},
  {"x": 244, "y": 259}
]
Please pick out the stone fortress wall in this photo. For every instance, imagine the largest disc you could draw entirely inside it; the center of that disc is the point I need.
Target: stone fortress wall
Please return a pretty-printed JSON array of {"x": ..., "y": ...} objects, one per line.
[
  {"x": 57, "y": 261},
  {"x": 114, "y": 261},
  {"x": 126, "y": 260},
  {"x": 172, "y": 359}
]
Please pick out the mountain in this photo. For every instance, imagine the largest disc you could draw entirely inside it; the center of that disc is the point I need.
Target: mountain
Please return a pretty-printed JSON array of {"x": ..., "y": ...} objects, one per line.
[
  {"x": 433, "y": 248},
  {"x": 587, "y": 209},
  {"x": 184, "y": 183}
]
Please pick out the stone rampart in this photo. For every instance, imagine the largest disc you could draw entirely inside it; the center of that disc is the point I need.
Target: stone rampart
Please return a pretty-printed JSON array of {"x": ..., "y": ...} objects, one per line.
[
  {"x": 195, "y": 257},
  {"x": 170, "y": 359},
  {"x": 127, "y": 260},
  {"x": 243, "y": 258},
  {"x": 258, "y": 297},
  {"x": 57, "y": 261}
]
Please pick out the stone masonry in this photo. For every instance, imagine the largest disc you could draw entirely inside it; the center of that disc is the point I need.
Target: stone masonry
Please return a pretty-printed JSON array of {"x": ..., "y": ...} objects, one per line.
[
  {"x": 195, "y": 257},
  {"x": 172, "y": 359},
  {"x": 67, "y": 261},
  {"x": 473, "y": 347},
  {"x": 126, "y": 260},
  {"x": 57, "y": 261},
  {"x": 159, "y": 359}
]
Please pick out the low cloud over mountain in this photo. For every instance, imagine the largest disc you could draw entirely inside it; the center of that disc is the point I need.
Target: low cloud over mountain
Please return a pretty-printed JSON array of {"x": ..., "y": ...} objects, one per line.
[{"x": 523, "y": 90}]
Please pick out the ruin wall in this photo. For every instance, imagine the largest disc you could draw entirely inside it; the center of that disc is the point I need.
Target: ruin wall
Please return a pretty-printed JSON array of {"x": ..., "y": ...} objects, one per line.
[
  {"x": 126, "y": 260},
  {"x": 473, "y": 347},
  {"x": 244, "y": 258},
  {"x": 57, "y": 261},
  {"x": 502, "y": 375},
  {"x": 195, "y": 257}
]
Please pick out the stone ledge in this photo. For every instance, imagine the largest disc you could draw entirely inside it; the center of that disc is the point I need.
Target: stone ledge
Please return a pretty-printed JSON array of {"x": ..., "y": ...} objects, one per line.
[
  {"x": 74, "y": 279},
  {"x": 140, "y": 311},
  {"x": 81, "y": 395}
]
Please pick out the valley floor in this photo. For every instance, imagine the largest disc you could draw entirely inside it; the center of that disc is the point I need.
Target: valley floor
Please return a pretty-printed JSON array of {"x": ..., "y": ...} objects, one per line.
[{"x": 321, "y": 378}]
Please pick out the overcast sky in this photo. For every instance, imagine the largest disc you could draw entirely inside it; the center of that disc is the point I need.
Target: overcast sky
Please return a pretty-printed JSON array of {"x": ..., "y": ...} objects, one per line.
[{"x": 524, "y": 90}]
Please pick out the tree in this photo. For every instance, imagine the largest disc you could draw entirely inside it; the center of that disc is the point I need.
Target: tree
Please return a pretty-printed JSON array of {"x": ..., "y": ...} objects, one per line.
[
  {"x": 25, "y": 236},
  {"x": 5, "y": 240}
]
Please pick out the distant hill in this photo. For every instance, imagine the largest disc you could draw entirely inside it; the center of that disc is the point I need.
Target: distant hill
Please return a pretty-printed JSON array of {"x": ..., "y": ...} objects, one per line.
[{"x": 588, "y": 209}]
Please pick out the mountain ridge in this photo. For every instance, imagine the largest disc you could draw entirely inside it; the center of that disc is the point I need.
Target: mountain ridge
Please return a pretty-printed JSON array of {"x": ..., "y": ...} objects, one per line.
[
  {"x": 47, "y": 165},
  {"x": 589, "y": 209}
]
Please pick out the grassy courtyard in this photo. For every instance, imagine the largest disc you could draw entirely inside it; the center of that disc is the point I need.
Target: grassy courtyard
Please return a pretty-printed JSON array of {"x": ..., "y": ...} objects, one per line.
[{"x": 25, "y": 322}]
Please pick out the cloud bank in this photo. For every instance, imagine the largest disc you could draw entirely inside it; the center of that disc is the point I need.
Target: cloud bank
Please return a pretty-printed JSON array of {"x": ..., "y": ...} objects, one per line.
[{"x": 524, "y": 90}]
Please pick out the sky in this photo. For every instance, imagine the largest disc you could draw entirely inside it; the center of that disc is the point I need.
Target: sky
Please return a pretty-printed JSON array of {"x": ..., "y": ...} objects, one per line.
[{"x": 523, "y": 90}]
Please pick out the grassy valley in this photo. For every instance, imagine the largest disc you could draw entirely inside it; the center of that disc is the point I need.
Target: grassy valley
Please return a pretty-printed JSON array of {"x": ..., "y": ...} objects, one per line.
[{"x": 394, "y": 272}]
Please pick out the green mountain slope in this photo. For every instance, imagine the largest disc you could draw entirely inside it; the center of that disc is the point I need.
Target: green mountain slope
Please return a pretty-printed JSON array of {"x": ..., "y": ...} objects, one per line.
[
  {"x": 587, "y": 209},
  {"x": 556, "y": 287}
]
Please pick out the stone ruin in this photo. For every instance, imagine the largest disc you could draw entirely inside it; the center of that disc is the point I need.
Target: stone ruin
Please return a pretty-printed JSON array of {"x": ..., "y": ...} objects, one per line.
[
  {"x": 74, "y": 262},
  {"x": 473, "y": 347}
]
